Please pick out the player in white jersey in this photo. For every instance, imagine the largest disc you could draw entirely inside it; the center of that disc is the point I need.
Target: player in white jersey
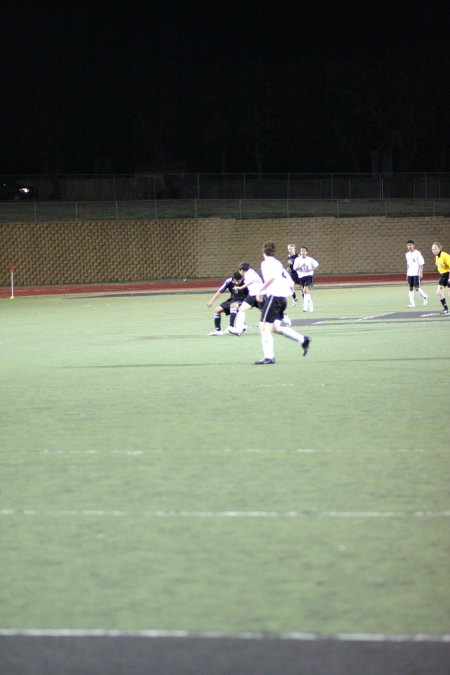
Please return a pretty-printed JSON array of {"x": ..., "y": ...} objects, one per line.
[
  {"x": 414, "y": 272},
  {"x": 253, "y": 282},
  {"x": 277, "y": 287},
  {"x": 304, "y": 266}
]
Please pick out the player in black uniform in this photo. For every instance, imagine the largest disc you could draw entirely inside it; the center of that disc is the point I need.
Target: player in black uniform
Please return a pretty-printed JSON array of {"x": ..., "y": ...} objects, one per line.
[
  {"x": 292, "y": 255},
  {"x": 231, "y": 306}
]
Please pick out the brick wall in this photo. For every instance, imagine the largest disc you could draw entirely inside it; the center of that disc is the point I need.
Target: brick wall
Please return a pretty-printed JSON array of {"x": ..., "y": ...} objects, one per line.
[{"x": 94, "y": 252}]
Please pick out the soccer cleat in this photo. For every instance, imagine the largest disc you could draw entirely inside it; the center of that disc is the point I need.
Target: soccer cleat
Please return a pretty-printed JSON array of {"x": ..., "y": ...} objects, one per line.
[
  {"x": 216, "y": 332},
  {"x": 264, "y": 362},
  {"x": 232, "y": 331},
  {"x": 425, "y": 300},
  {"x": 305, "y": 345},
  {"x": 444, "y": 311},
  {"x": 294, "y": 301},
  {"x": 410, "y": 305}
]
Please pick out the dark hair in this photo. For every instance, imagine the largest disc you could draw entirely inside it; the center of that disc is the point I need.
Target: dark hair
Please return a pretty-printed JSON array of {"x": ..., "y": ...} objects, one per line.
[
  {"x": 269, "y": 247},
  {"x": 410, "y": 241},
  {"x": 244, "y": 266},
  {"x": 237, "y": 276}
]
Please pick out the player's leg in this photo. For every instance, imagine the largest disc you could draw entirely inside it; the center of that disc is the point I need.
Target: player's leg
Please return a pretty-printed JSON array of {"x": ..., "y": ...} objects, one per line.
[
  {"x": 411, "y": 292},
  {"x": 287, "y": 331},
  {"x": 217, "y": 320},
  {"x": 239, "y": 322},
  {"x": 441, "y": 294},
  {"x": 265, "y": 330}
]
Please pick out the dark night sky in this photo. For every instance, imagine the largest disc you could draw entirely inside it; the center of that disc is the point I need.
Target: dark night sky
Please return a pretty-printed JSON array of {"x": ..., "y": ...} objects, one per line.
[{"x": 224, "y": 86}]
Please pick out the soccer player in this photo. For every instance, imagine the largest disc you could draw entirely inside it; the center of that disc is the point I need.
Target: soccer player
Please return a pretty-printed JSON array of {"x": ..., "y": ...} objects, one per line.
[
  {"x": 253, "y": 283},
  {"x": 414, "y": 272},
  {"x": 443, "y": 265},
  {"x": 231, "y": 306},
  {"x": 292, "y": 255},
  {"x": 276, "y": 288},
  {"x": 304, "y": 266}
]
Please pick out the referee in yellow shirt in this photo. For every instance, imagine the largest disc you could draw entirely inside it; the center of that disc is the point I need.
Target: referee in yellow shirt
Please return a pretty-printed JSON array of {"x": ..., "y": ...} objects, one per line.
[{"x": 443, "y": 265}]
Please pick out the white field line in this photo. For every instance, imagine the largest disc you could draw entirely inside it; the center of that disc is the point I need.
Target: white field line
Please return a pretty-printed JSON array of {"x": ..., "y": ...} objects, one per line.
[
  {"x": 218, "y": 451},
  {"x": 213, "y": 635},
  {"x": 374, "y": 316},
  {"x": 118, "y": 513}
]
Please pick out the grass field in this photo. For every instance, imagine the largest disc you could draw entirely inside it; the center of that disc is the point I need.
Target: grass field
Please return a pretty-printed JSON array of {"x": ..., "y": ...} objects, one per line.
[{"x": 154, "y": 478}]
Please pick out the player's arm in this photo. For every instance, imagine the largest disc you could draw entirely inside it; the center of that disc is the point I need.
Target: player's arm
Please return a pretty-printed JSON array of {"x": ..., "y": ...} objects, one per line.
[
  {"x": 213, "y": 299},
  {"x": 265, "y": 285}
]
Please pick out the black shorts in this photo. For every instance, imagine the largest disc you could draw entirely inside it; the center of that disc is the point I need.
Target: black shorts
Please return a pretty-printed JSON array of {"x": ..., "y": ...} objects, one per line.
[
  {"x": 306, "y": 281},
  {"x": 273, "y": 309},
  {"x": 443, "y": 279},
  {"x": 413, "y": 282},
  {"x": 226, "y": 306},
  {"x": 252, "y": 301},
  {"x": 294, "y": 276}
]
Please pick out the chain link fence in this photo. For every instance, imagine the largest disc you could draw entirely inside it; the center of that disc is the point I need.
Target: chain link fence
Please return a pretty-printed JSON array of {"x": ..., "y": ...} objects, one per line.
[
  {"x": 142, "y": 196},
  {"x": 241, "y": 209}
]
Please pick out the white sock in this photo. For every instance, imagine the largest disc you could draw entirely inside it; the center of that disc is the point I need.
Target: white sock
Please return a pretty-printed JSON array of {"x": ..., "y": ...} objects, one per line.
[
  {"x": 267, "y": 346},
  {"x": 424, "y": 295},
  {"x": 292, "y": 334},
  {"x": 239, "y": 321},
  {"x": 411, "y": 297}
]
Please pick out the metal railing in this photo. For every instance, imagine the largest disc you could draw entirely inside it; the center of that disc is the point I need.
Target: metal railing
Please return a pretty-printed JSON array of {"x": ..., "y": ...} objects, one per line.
[
  {"x": 83, "y": 211},
  {"x": 237, "y": 186}
]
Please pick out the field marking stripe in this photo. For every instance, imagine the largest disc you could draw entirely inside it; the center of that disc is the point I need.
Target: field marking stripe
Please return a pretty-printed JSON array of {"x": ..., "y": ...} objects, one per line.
[
  {"x": 374, "y": 316},
  {"x": 117, "y": 513},
  {"x": 212, "y": 635},
  {"x": 155, "y": 451}
]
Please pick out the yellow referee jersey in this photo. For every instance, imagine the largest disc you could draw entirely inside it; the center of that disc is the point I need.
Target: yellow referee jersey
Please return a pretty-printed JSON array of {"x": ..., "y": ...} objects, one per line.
[{"x": 443, "y": 262}]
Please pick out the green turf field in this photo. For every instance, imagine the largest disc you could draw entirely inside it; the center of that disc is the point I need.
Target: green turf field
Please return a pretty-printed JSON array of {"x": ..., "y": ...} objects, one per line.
[{"x": 153, "y": 478}]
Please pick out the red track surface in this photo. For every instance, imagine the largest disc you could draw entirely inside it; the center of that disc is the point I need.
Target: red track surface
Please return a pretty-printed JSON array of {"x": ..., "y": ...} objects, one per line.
[{"x": 188, "y": 285}]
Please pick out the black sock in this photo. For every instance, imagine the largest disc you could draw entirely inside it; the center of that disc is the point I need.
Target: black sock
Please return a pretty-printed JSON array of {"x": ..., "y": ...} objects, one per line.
[{"x": 217, "y": 321}]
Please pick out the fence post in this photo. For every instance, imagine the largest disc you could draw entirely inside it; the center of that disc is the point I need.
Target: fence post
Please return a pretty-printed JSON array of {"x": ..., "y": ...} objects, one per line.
[{"x": 76, "y": 212}]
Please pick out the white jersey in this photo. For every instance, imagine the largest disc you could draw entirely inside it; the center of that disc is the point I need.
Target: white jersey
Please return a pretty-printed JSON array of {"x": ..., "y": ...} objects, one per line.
[
  {"x": 253, "y": 282},
  {"x": 282, "y": 284},
  {"x": 305, "y": 266},
  {"x": 414, "y": 260}
]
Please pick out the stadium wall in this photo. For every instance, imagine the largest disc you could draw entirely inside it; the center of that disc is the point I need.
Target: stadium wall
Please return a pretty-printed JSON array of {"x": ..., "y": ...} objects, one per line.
[{"x": 101, "y": 251}]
